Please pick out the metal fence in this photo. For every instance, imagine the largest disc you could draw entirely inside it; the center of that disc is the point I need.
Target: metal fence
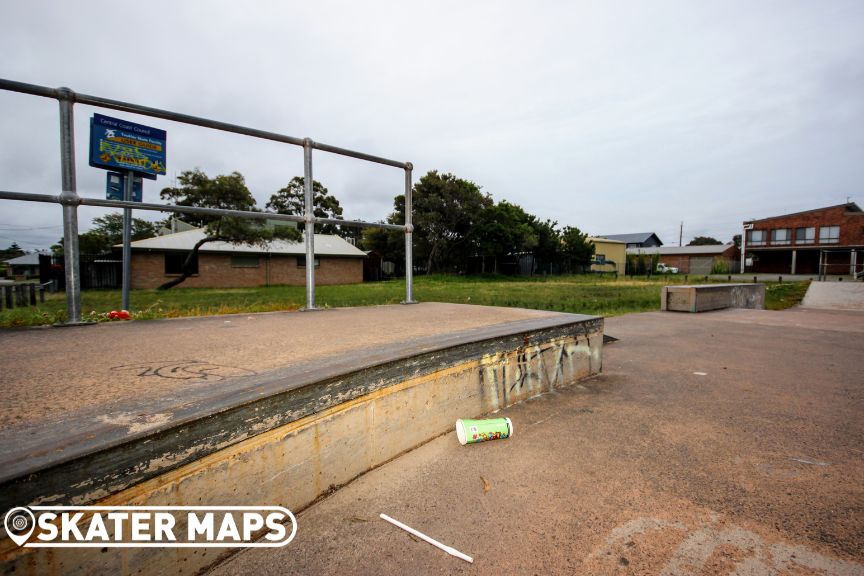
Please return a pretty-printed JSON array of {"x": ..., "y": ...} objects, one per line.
[{"x": 70, "y": 200}]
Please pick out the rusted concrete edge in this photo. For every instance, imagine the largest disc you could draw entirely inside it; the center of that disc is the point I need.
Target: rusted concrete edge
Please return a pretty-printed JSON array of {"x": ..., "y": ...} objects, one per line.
[{"x": 203, "y": 426}]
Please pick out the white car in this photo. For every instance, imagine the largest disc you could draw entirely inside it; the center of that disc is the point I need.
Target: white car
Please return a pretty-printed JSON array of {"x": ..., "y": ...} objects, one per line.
[{"x": 663, "y": 269}]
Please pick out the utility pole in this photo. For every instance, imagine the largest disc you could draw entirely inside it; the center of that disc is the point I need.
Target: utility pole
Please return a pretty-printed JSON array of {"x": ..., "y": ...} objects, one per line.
[{"x": 681, "y": 234}]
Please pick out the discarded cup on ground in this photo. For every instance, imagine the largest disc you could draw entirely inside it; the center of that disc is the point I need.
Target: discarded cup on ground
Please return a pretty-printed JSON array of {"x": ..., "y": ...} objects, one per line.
[{"x": 473, "y": 431}]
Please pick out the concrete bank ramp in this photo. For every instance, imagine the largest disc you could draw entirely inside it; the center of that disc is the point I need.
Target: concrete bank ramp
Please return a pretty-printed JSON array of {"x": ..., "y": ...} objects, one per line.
[
  {"x": 275, "y": 409},
  {"x": 835, "y": 296}
]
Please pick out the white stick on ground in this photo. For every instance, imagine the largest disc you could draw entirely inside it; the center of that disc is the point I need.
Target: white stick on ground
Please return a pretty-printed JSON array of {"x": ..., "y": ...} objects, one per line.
[{"x": 445, "y": 548}]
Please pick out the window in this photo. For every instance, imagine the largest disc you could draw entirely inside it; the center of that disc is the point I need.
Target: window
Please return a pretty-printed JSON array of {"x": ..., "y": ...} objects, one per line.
[
  {"x": 245, "y": 261},
  {"x": 780, "y": 236},
  {"x": 829, "y": 234},
  {"x": 756, "y": 237},
  {"x": 805, "y": 235},
  {"x": 301, "y": 262},
  {"x": 174, "y": 263},
  {"x": 600, "y": 258}
]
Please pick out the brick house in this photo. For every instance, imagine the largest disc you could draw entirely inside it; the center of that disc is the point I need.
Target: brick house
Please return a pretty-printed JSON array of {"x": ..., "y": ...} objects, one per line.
[
  {"x": 695, "y": 259},
  {"x": 224, "y": 265},
  {"x": 830, "y": 239}
]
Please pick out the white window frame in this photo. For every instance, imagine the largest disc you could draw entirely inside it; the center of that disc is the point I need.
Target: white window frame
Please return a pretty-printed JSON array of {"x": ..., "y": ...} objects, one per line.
[
  {"x": 780, "y": 241},
  {"x": 806, "y": 240},
  {"x": 752, "y": 242},
  {"x": 825, "y": 238}
]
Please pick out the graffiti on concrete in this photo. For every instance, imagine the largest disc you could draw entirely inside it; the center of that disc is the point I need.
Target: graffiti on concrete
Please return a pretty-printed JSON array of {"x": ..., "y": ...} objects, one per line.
[
  {"x": 532, "y": 370},
  {"x": 184, "y": 370}
]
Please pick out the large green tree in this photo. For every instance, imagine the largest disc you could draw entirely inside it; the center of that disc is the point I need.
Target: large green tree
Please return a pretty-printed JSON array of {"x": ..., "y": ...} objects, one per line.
[
  {"x": 577, "y": 250},
  {"x": 446, "y": 212},
  {"x": 292, "y": 200},
  {"x": 504, "y": 231},
  {"x": 229, "y": 192},
  {"x": 548, "y": 251}
]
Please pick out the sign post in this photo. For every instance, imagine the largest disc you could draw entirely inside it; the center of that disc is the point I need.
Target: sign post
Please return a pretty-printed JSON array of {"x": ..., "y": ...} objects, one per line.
[
  {"x": 127, "y": 238},
  {"x": 136, "y": 151}
]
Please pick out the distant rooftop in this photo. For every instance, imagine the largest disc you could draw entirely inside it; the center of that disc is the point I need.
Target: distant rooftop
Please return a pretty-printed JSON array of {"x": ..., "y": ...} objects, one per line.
[
  {"x": 850, "y": 207},
  {"x": 605, "y": 239},
  {"x": 325, "y": 245},
  {"x": 634, "y": 238},
  {"x": 31, "y": 259}
]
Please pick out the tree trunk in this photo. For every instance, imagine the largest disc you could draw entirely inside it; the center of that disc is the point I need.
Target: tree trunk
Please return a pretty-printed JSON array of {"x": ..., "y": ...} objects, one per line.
[
  {"x": 431, "y": 255},
  {"x": 187, "y": 264}
]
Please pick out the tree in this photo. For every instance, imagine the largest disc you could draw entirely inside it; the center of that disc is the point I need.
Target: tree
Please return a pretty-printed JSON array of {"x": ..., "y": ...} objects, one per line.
[
  {"x": 13, "y": 251},
  {"x": 107, "y": 232},
  {"x": 292, "y": 200},
  {"x": 502, "y": 230},
  {"x": 704, "y": 241},
  {"x": 227, "y": 192},
  {"x": 548, "y": 250},
  {"x": 736, "y": 239},
  {"x": 577, "y": 250},
  {"x": 446, "y": 211}
]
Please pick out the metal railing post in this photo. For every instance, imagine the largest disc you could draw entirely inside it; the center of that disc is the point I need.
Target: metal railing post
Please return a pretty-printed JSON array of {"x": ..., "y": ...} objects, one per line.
[
  {"x": 309, "y": 220},
  {"x": 409, "y": 231},
  {"x": 69, "y": 200},
  {"x": 127, "y": 238}
]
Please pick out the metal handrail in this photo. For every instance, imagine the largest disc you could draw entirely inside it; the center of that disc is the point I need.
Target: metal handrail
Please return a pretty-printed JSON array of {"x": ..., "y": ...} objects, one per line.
[
  {"x": 70, "y": 200},
  {"x": 84, "y": 201}
]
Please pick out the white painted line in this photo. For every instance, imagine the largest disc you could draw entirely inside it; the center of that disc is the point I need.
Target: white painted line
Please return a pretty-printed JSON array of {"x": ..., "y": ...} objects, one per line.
[{"x": 444, "y": 547}]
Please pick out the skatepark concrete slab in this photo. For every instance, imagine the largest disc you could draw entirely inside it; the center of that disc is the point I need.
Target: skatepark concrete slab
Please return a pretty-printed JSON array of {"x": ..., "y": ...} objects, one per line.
[
  {"x": 49, "y": 373},
  {"x": 730, "y": 442},
  {"x": 91, "y": 411}
]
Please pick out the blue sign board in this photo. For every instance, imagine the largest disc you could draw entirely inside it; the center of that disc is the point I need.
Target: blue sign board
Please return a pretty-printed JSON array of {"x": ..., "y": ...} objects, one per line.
[
  {"x": 114, "y": 189},
  {"x": 121, "y": 145}
]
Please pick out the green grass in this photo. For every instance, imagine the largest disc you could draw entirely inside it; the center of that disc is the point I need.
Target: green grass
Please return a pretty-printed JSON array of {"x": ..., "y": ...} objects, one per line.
[
  {"x": 603, "y": 296},
  {"x": 779, "y": 296}
]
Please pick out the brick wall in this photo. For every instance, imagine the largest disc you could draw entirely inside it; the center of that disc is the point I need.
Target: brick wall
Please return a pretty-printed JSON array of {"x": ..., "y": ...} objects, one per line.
[
  {"x": 682, "y": 261},
  {"x": 216, "y": 271},
  {"x": 851, "y": 225}
]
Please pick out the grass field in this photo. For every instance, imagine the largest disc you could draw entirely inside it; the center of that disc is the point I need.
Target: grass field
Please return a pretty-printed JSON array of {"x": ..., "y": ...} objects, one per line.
[{"x": 580, "y": 294}]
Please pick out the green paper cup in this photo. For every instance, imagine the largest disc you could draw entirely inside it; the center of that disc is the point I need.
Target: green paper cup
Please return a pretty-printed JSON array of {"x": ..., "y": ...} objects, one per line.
[{"x": 473, "y": 431}]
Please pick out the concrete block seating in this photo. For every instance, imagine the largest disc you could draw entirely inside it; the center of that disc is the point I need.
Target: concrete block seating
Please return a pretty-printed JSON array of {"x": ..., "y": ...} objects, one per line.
[{"x": 705, "y": 297}]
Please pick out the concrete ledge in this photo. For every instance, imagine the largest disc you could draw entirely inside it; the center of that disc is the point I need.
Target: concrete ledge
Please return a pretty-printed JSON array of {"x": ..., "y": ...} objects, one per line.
[
  {"x": 705, "y": 297},
  {"x": 288, "y": 440}
]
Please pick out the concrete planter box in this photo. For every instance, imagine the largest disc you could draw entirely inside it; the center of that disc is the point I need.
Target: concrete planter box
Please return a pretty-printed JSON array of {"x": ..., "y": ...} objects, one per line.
[{"x": 705, "y": 297}]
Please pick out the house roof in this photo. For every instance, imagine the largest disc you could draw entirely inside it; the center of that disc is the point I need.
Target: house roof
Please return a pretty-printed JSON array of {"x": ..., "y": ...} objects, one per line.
[
  {"x": 634, "y": 238},
  {"x": 31, "y": 259},
  {"x": 602, "y": 239},
  {"x": 683, "y": 250},
  {"x": 850, "y": 207},
  {"x": 325, "y": 245}
]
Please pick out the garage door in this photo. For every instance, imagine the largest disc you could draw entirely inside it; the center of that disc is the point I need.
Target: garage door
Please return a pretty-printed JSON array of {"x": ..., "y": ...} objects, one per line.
[{"x": 701, "y": 264}]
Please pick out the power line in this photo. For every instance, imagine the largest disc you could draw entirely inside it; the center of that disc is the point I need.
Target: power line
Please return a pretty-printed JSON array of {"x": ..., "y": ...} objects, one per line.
[{"x": 12, "y": 227}]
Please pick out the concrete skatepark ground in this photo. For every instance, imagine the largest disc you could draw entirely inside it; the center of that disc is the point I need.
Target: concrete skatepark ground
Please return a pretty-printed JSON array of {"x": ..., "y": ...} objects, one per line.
[
  {"x": 723, "y": 443},
  {"x": 719, "y": 443}
]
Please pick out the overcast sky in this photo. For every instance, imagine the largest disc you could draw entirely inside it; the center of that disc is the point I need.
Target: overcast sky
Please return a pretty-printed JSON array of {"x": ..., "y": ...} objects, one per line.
[{"x": 611, "y": 116}]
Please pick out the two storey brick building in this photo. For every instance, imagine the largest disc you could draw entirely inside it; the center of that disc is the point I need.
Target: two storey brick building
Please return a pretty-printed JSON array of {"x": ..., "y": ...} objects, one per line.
[{"x": 827, "y": 240}]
